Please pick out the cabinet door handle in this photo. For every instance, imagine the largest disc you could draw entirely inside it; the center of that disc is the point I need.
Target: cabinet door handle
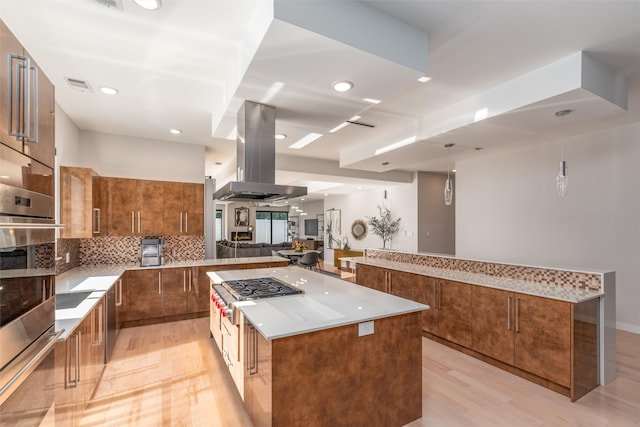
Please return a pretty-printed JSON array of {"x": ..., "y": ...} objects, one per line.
[
  {"x": 30, "y": 69},
  {"x": 139, "y": 225},
  {"x": 190, "y": 282},
  {"x": 508, "y": 313},
  {"x": 96, "y": 221},
  {"x": 21, "y": 119},
  {"x": 133, "y": 222},
  {"x": 119, "y": 293},
  {"x": 181, "y": 222},
  {"x": 100, "y": 324},
  {"x": 44, "y": 290},
  {"x": 517, "y": 314},
  {"x": 160, "y": 282},
  {"x": 184, "y": 280},
  {"x": 78, "y": 355},
  {"x": 67, "y": 364},
  {"x": 389, "y": 286},
  {"x": 186, "y": 221}
]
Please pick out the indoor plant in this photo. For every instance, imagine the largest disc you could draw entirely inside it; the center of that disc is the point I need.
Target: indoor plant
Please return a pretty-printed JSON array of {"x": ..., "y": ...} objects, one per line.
[{"x": 384, "y": 226}]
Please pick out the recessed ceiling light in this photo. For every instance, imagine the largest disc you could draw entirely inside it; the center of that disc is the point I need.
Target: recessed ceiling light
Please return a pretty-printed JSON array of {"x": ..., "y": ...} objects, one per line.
[
  {"x": 304, "y": 141},
  {"x": 395, "y": 145},
  {"x": 453, "y": 170},
  {"x": 358, "y": 188},
  {"x": 175, "y": 131},
  {"x": 342, "y": 86},
  {"x": 326, "y": 194},
  {"x": 424, "y": 79},
  {"x": 149, "y": 4},
  {"x": 340, "y": 126},
  {"x": 372, "y": 100},
  {"x": 108, "y": 90},
  {"x": 281, "y": 136}
]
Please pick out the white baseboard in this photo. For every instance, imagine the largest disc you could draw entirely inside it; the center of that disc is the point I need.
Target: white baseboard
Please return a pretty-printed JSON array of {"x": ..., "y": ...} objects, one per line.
[{"x": 628, "y": 327}]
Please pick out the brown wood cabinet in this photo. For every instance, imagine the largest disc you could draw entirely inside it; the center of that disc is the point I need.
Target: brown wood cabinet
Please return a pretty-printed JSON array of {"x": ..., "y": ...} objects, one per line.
[
  {"x": 143, "y": 290},
  {"x": 134, "y": 207},
  {"x": 426, "y": 292},
  {"x": 99, "y": 207},
  {"x": 550, "y": 342},
  {"x": 183, "y": 208},
  {"x": 329, "y": 377},
  {"x": 454, "y": 311},
  {"x": 39, "y": 125},
  {"x": 79, "y": 365},
  {"x": 343, "y": 253},
  {"x": 76, "y": 202}
]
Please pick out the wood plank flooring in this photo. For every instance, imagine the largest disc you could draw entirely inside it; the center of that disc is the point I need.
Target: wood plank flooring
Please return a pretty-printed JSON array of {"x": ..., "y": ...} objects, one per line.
[{"x": 171, "y": 375}]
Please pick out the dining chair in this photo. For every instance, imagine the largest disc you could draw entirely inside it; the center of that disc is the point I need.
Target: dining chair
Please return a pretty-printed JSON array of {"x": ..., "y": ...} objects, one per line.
[{"x": 309, "y": 260}]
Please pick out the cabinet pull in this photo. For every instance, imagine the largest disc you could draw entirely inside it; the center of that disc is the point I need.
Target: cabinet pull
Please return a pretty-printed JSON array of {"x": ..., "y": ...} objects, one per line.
[
  {"x": 181, "y": 222},
  {"x": 139, "y": 225},
  {"x": 508, "y": 313},
  {"x": 119, "y": 288},
  {"x": 160, "y": 282},
  {"x": 252, "y": 350},
  {"x": 190, "y": 282},
  {"x": 389, "y": 288},
  {"x": 96, "y": 221},
  {"x": 21, "y": 119},
  {"x": 133, "y": 222},
  {"x": 186, "y": 221},
  {"x": 44, "y": 290},
  {"x": 100, "y": 323},
  {"x": 78, "y": 355},
  {"x": 67, "y": 363},
  {"x": 517, "y": 314},
  {"x": 184, "y": 281}
]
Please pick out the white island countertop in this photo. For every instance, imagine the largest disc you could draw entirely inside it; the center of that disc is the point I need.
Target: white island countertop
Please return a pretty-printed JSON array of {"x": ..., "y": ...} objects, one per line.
[
  {"x": 326, "y": 303},
  {"x": 96, "y": 280}
]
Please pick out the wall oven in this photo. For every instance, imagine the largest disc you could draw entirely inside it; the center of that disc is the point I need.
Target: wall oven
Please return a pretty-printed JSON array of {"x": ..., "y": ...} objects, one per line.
[{"x": 27, "y": 290}]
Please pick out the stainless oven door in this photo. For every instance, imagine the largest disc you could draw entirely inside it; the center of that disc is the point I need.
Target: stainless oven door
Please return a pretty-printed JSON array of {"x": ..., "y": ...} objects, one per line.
[{"x": 27, "y": 385}]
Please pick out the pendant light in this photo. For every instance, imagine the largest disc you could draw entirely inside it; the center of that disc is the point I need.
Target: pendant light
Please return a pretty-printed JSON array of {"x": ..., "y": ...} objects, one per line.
[
  {"x": 562, "y": 180},
  {"x": 448, "y": 185},
  {"x": 384, "y": 177}
]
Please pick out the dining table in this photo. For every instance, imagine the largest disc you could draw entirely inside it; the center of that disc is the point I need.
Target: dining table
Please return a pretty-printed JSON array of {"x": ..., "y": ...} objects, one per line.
[{"x": 293, "y": 255}]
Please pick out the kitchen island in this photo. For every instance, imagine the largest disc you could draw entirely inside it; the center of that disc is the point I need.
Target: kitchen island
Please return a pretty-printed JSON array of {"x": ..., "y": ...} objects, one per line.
[{"x": 338, "y": 354}]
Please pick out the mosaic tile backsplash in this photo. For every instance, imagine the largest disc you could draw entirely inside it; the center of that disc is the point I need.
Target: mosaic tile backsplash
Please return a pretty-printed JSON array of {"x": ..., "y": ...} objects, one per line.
[
  {"x": 124, "y": 250},
  {"x": 547, "y": 276}
]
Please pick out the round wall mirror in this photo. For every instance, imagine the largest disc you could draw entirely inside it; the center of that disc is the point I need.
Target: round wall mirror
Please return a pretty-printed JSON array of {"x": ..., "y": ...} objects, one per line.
[{"x": 359, "y": 229}]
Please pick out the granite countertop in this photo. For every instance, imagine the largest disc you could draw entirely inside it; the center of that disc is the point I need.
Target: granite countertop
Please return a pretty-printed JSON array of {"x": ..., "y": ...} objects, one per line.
[
  {"x": 573, "y": 295},
  {"x": 327, "y": 302},
  {"x": 93, "y": 281}
]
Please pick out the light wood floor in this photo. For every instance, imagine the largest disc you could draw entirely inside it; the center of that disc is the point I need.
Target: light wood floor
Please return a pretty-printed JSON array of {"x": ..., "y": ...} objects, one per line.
[{"x": 170, "y": 375}]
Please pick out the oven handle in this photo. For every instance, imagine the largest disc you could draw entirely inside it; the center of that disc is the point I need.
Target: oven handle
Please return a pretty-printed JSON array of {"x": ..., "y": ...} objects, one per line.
[
  {"x": 23, "y": 225},
  {"x": 17, "y": 380}
]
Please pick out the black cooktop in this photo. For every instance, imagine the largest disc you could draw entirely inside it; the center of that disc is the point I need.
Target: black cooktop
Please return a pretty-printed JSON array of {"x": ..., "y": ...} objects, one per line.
[{"x": 261, "y": 287}]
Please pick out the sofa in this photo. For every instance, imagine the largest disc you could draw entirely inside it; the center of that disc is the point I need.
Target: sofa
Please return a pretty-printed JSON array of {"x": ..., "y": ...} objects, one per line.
[{"x": 227, "y": 249}]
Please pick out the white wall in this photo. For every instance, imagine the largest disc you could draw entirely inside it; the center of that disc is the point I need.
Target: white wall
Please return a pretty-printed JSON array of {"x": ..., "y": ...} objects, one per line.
[
  {"x": 67, "y": 137},
  {"x": 131, "y": 157},
  {"x": 508, "y": 209},
  {"x": 401, "y": 200},
  {"x": 436, "y": 221}
]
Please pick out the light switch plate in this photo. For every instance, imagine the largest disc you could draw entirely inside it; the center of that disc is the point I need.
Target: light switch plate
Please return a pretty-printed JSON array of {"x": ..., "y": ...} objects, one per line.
[{"x": 365, "y": 328}]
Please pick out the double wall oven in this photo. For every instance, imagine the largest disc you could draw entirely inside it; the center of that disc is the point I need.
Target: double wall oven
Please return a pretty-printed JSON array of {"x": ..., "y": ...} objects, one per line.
[{"x": 27, "y": 290}]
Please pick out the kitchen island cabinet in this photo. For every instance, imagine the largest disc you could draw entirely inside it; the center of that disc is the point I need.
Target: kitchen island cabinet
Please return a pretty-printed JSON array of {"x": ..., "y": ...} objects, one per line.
[
  {"x": 329, "y": 356},
  {"x": 547, "y": 341}
]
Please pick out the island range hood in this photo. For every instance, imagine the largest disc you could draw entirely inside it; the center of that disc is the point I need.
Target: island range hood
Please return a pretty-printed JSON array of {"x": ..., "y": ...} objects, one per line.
[{"x": 256, "y": 150}]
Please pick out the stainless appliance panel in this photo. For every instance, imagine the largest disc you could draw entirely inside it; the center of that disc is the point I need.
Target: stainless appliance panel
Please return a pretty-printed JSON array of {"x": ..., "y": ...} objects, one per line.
[{"x": 27, "y": 385}]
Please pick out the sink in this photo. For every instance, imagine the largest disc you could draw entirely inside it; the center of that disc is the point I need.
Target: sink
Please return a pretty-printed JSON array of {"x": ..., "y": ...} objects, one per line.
[{"x": 70, "y": 300}]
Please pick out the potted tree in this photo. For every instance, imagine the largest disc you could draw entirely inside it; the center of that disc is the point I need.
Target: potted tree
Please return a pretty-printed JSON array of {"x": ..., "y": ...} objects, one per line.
[{"x": 384, "y": 226}]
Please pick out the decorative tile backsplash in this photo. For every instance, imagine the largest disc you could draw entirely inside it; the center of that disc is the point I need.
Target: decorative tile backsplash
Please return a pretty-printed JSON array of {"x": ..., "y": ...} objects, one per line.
[
  {"x": 548, "y": 276},
  {"x": 123, "y": 250}
]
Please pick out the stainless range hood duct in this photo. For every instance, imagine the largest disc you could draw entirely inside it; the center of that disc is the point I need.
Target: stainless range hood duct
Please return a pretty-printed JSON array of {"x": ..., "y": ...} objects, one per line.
[{"x": 256, "y": 150}]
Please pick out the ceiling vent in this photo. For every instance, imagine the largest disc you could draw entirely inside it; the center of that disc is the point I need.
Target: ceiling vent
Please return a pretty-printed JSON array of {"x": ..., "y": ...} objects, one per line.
[{"x": 77, "y": 84}]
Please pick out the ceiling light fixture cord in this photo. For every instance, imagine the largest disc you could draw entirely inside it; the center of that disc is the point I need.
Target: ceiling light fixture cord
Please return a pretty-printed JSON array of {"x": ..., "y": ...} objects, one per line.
[{"x": 448, "y": 184}]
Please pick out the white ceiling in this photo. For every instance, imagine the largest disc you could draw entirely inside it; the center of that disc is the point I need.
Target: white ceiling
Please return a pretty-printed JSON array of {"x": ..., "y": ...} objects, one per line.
[{"x": 194, "y": 62}]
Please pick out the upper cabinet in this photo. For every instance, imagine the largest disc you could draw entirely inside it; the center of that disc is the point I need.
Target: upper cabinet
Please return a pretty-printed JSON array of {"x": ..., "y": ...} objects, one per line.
[
  {"x": 183, "y": 209},
  {"x": 95, "y": 206},
  {"x": 27, "y": 102},
  {"x": 134, "y": 207},
  {"x": 76, "y": 201}
]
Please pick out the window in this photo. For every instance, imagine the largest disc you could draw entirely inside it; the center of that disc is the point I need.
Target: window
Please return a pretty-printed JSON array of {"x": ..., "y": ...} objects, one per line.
[
  {"x": 271, "y": 227},
  {"x": 219, "y": 233}
]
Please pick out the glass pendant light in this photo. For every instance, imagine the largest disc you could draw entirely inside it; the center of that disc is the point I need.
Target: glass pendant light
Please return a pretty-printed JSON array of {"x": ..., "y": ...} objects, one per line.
[
  {"x": 562, "y": 180},
  {"x": 448, "y": 184}
]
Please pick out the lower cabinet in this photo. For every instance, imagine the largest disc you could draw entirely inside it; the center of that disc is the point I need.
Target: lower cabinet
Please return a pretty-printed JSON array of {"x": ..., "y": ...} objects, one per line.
[
  {"x": 550, "y": 342},
  {"x": 79, "y": 365},
  {"x": 143, "y": 294}
]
